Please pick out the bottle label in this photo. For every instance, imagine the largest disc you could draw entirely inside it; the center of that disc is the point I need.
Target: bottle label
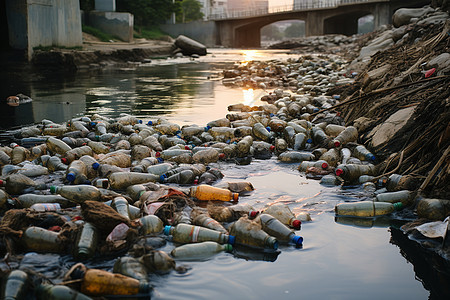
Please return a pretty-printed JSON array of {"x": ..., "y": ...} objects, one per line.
[{"x": 194, "y": 233}]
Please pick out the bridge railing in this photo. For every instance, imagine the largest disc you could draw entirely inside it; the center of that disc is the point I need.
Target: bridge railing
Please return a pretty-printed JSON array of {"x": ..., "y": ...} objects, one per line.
[{"x": 305, "y": 5}]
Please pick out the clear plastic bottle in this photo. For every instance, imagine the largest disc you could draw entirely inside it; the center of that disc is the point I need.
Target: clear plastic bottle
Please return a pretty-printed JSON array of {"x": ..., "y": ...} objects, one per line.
[
  {"x": 280, "y": 231},
  {"x": 223, "y": 122},
  {"x": 332, "y": 157},
  {"x": 249, "y": 233},
  {"x": 199, "y": 250},
  {"x": 208, "y": 222},
  {"x": 318, "y": 135},
  {"x": 345, "y": 155},
  {"x": 53, "y": 163},
  {"x": 15, "y": 286},
  {"x": 17, "y": 184},
  {"x": 299, "y": 141},
  {"x": 349, "y": 134},
  {"x": 41, "y": 240},
  {"x": 351, "y": 172},
  {"x": 119, "y": 159},
  {"x": 120, "y": 204},
  {"x": 284, "y": 214},
  {"x": 260, "y": 132},
  {"x": 362, "y": 153},
  {"x": 98, "y": 147},
  {"x": 229, "y": 213},
  {"x": 405, "y": 197},
  {"x": 205, "y": 192},
  {"x": 281, "y": 145},
  {"x": 92, "y": 166},
  {"x": 183, "y": 177},
  {"x": 86, "y": 242},
  {"x": 153, "y": 143},
  {"x": 295, "y": 156},
  {"x": 321, "y": 164},
  {"x": 334, "y": 130},
  {"x": 46, "y": 207},
  {"x": 144, "y": 164},
  {"x": 77, "y": 193},
  {"x": 209, "y": 155},
  {"x": 367, "y": 208},
  {"x": 76, "y": 153},
  {"x": 76, "y": 173},
  {"x": 167, "y": 154},
  {"x": 160, "y": 169},
  {"x": 131, "y": 267},
  {"x": 58, "y": 292},
  {"x": 56, "y": 145},
  {"x": 151, "y": 224},
  {"x": 19, "y": 154},
  {"x": 185, "y": 233},
  {"x": 122, "y": 180}
]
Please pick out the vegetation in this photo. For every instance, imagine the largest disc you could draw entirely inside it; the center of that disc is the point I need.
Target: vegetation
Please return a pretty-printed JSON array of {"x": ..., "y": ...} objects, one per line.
[
  {"x": 272, "y": 32},
  {"x": 147, "y": 12},
  {"x": 295, "y": 30},
  {"x": 150, "y": 33},
  {"x": 189, "y": 10},
  {"x": 104, "y": 37}
]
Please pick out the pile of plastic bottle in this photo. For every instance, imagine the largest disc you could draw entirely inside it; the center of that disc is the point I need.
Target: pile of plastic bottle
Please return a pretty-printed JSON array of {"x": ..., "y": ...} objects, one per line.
[{"x": 63, "y": 168}]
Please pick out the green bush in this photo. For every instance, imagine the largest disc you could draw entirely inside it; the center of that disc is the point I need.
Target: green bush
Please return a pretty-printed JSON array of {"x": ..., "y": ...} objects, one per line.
[{"x": 104, "y": 37}]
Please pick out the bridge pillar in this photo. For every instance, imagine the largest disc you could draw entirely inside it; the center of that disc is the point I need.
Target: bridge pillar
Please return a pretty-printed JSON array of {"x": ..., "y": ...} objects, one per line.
[
  {"x": 314, "y": 24},
  {"x": 382, "y": 14},
  {"x": 247, "y": 37}
]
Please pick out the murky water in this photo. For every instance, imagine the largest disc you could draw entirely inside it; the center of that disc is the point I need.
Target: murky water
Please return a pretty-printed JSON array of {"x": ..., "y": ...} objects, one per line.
[{"x": 338, "y": 261}]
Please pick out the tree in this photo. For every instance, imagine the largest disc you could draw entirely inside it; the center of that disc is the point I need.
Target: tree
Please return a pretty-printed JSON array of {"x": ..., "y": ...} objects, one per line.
[
  {"x": 190, "y": 10},
  {"x": 271, "y": 32},
  {"x": 147, "y": 12},
  {"x": 296, "y": 29}
]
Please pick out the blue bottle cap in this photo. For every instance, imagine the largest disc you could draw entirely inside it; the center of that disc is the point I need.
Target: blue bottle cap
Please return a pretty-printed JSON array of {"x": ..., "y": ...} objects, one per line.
[
  {"x": 70, "y": 177},
  {"x": 316, "y": 110},
  {"x": 160, "y": 159},
  {"x": 95, "y": 165},
  {"x": 231, "y": 239},
  {"x": 370, "y": 157},
  {"x": 167, "y": 229},
  {"x": 93, "y": 124},
  {"x": 150, "y": 123},
  {"x": 297, "y": 240},
  {"x": 178, "y": 132},
  {"x": 162, "y": 178},
  {"x": 207, "y": 128},
  {"x": 309, "y": 141},
  {"x": 140, "y": 121},
  {"x": 271, "y": 115},
  {"x": 268, "y": 128}
]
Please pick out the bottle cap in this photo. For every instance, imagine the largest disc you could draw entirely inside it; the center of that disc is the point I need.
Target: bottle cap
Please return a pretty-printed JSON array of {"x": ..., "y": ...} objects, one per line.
[
  {"x": 272, "y": 148},
  {"x": 324, "y": 165},
  {"x": 160, "y": 160},
  {"x": 228, "y": 247},
  {"x": 271, "y": 115},
  {"x": 336, "y": 143},
  {"x": 253, "y": 213},
  {"x": 140, "y": 121},
  {"x": 150, "y": 123},
  {"x": 268, "y": 128},
  {"x": 370, "y": 157},
  {"x": 95, "y": 165},
  {"x": 162, "y": 178},
  {"x": 70, "y": 177},
  {"x": 167, "y": 229},
  {"x": 157, "y": 154},
  {"x": 92, "y": 124},
  {"x": 186, "y": 147},
  {"x": 398, "y": 206},
  {"x": 297, "y": 224},
  {"x": 53, "y": 189},
  {"x": 272, "y": 242},
  {"x": 309, "y": 141},
  {"x": 235, "y": 196},
  {"x": 231, "y": 239},
  {"x": 207, "y": 128},
  {"x": 339, "y": 172},
  {"x": 64, "y": 160},
  {"x": 2, "y": 182},
  {"x": 297, "y": 240}
]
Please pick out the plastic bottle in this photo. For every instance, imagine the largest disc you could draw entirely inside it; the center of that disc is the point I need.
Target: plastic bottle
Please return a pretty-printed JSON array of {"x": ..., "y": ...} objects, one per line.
[
  {"x": 77, "y": 193},
  {"x": 4, "y": 158},
  {"x": 367, "y": 208},
  {"x": 280, "y": 231},
  {"x": 321, "y": 164},
  {"x": 229, "y": 213},
  {"x": 283, "y": 213},
  {"x": 199, "y": 250},
  {"x": 120, "y": 204},
  {"x": 53, "y": 163},
  {"x": 280, "y": 145},
  {"x": 131, "y": 267},
  {"x": 433, "y": 209},
  {"x": 17, "y": 184},
  {"x": 151, "y": 224},
  {"x": 260, "y": 132},
  {"x": 318, "y": 135},
  {"x": 331, "y": 157},
  {"x": 122, "y": 180},
  {"x": 349, "y": 134},
  {"x": 362, "y": 153},
  {"x": 92, "y": 166},
  {"x": 249, "y": 233},
  {"x": 167, "y": 154},
  {"x": 184, "y": 177},
  {"x": 223, "y": 122},
  {"x": 57, "y": 146},
  {"x": 299, "y": 141},
  {"x": 58, "y": 292},
  {"x": 76, "y": 173},
  {"x": 41, "y": 240},
  {"x": 19, "y": 154},
  {"x": 86, "y": 242},
  {"x": 209, "y": 155},
  {"x": 295, "y": 156},
  {"x": 76, "y": 153},
  {"x": 208, "y": 222},
  {"x": 38, "y": 150},
  {"x": 405, "y": 197},
  {"x": 144, "y": 164},
  {"x": 205, "y": 192},
  {"x": 185, "y": 233},
  {"x": 15, "y": 286},
  {"x": 46, "y": 207},
  {"x": 153, "y": 143},
  {"x": 351, "y": 172},
  {"x": 365, "y": 178},
  {"x": 345, "y": 155}
]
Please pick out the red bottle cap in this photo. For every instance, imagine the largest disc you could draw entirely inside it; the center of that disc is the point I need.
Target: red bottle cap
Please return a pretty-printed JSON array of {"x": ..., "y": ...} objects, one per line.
[
  {"x": 272, "y": 148},
  {"x": 222, "y": 156},
  {"x": 157, "y": 154},
  {"x": 324, "y": 165},
  {"x": 186, "y": 147},
  {"x": 297, "y": 224},
  {"x": 252, "y": 214},
  {"x": 337, "y": 143},
  {"x": 64, "y": 160},
  {"x": 339, "y": 172},
  {"x": 196, "y": 181},
  {"x": 2, "y": 182}
]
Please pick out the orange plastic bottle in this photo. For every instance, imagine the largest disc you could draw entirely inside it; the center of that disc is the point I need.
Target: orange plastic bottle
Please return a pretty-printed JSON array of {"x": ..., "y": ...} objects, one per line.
[{"x": 206, "y": 192}]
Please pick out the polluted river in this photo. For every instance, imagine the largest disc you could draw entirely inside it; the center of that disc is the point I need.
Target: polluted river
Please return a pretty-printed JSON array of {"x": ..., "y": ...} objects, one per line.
[{"x": 340, "y": 258}]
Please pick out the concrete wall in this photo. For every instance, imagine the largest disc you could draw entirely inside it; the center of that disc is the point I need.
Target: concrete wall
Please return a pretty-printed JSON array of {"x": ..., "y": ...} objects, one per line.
[
  {"x": 201, "y": 31},
  {"x": 34, "y": 23},
  {"x": 114, "y": 23}
]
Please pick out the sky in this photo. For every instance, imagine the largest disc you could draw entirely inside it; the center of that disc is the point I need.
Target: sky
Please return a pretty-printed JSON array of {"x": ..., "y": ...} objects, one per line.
[{"x": 279, "y": 2}]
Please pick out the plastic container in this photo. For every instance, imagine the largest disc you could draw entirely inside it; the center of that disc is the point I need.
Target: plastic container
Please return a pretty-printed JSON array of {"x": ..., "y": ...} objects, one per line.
[
  {"x": 205, "y": 192},
  {"x": 57, "y": 146},
  {"x": 41, "y": 240},
  {"x": 352, "y": 172},
  {"x": 76, "y": 153},
  {"x": 15, "y": 286},
  {"x": 349, "y": 134},
  {"x": 249, "y": 233},
  {"x": 405, "y": 197},
  {"x": 184, "y": 177},
  {"x": 281, "y": 232},
  {"x": 120, "y": 204},
  {"x": 151, "y": 224},
  {"x": 46, "y": 207},
  {"x": 77, "y": 193},
  {"x": 58, "y": 292},
  {"x": 131, "y": 267},
  {"x": 363, "y": 154},
  {"x": 229, "y": 213},
  {"x": 202, "y": 250},
  {"x": 17, "y": 183},
  {"x": 76, "y": 173},
  {"x": 208, "y": 222},
  {"x": 332, "y": 157},
  {"x": 295, "y": 156},
  {"x": 367, "y": 208},
  {"x": 185, "y": 233},
  {"x": 86, "y": 242},
  {"x": 321, "y": 164},
  {"x": 283, "y": 213},
  {"x": 260, "y": 132},
  {"x": 122, "y": 180}
]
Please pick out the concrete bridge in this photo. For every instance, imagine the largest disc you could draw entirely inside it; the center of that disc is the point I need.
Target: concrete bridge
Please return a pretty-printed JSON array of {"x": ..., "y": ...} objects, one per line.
[{"x": 241, "y": 29}]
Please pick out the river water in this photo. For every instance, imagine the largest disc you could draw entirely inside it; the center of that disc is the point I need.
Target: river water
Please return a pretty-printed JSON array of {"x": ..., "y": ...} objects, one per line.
[{"x": 338, "y": 260}]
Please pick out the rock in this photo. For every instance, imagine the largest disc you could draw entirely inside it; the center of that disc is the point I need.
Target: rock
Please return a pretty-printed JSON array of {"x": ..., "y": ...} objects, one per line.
[
  {"x": 403, "y": 16},
  {"x": 376, "y": 74},
  {"x": 433, "y": 209},
  {"x": 437, "y": 18},
  {"x": 372, "y": 48},
  {"x": 189, "y": 46},
  {"x": 384, "y": 132},
  {"x": 440, "y": 62}
]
